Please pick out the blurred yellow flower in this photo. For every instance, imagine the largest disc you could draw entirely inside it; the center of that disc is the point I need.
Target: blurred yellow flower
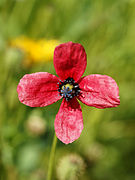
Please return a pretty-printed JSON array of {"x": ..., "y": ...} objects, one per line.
[{"x": 35, "y": 51}]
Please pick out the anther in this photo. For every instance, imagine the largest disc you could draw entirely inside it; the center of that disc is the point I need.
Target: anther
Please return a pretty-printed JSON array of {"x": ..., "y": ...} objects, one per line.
[{"x": 68, "y": 88}]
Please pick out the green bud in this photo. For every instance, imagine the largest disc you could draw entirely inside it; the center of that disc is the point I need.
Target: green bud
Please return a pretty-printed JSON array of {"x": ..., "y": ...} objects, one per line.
[
  {"x": 35, "y": 124},
  {"x": 70, "y": 167}
]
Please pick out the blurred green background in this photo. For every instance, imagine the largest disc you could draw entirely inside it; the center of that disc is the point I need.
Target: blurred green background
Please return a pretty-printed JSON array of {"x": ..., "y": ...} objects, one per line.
[{"x": 106, "y": 148}]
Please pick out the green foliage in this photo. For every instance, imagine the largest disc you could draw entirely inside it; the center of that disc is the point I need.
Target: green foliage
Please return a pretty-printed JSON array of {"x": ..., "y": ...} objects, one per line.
[{"x": 107, "y": 31}]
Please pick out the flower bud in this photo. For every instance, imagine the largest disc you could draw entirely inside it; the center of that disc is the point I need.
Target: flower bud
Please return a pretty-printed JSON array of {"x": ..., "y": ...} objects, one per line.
[
  {"x": 94, "y": 152},
  {"x": 70, "y": 167},
  {"x": 35, "y": 125}
]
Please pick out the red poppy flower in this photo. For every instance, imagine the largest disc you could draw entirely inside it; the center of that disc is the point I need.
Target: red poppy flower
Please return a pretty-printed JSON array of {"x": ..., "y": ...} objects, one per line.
[{"x": 42, "y": 89}]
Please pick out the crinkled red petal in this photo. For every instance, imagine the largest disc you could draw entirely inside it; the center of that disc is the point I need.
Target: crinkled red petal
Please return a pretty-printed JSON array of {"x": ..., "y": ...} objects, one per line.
[
  {"x": 69, "y": 121},
  {"x": 38, "y": 89},
  {"x": 100, "y": 91},
  {"x": 70, "y": 60}
]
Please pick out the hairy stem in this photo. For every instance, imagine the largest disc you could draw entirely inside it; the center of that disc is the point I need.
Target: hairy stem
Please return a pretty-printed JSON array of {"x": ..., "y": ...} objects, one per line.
[{"x": 51, "y": 160}]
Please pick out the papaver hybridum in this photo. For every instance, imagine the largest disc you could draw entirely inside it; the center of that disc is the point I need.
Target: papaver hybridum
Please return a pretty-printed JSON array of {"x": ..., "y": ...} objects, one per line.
[{"x": 42, "y": 89}]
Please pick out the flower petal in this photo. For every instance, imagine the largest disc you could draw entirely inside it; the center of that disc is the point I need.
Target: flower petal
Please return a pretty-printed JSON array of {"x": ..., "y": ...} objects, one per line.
[
  {"x": 69, "y": 121},
  {"x": 38, "y": 89},
  {"x": 70, "y": 60},
  {"x": 100, "y": 91}
]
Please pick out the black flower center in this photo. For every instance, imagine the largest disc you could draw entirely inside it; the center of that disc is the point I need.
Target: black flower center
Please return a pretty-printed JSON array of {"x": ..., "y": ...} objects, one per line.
[{"x": 68, "y": 88}]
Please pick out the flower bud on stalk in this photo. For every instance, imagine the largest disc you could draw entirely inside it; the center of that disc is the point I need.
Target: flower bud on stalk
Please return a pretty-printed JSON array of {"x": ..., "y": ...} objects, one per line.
[
  {"x": 70, "y": 167},
  {"x": 35, "y": 125}
]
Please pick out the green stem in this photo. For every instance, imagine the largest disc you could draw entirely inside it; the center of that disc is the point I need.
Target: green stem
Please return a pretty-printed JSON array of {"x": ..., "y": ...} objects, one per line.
[{"x": 51, "y": 160}]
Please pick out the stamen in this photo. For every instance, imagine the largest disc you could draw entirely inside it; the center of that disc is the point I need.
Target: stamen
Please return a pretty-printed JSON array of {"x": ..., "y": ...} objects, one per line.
[{"x": 68, "y": 88}]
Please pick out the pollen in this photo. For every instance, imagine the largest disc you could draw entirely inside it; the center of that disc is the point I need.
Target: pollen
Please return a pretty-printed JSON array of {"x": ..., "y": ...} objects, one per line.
[{"x": 67, "y": 86}]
